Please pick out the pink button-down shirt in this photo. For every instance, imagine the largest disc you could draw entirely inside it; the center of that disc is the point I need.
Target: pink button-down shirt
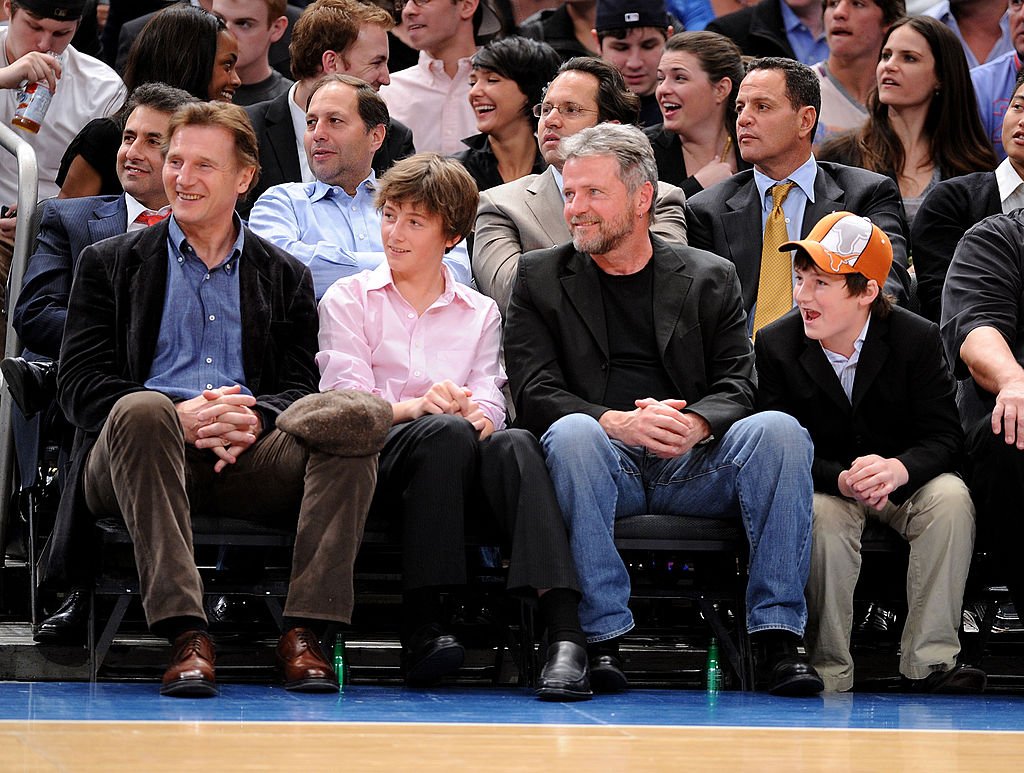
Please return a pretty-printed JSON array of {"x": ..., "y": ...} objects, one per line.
[
  {"x": 372, "y": 340},
  {"x": 434, "y": 106}
]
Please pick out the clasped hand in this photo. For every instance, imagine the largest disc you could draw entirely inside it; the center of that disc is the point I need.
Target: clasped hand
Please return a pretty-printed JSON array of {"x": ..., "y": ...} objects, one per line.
[
  {"x": 448, "y": 397},
  {"x": 221, "y": 420},
  {"x": 871, "y": 479},
  {"x": 661, "y": 427}
]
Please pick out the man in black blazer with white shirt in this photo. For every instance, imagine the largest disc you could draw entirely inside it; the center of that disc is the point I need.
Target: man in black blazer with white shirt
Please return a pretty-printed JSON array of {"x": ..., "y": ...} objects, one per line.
[
  {"x": 871, "y": 385},
  {"x": 777, "y": 112}
]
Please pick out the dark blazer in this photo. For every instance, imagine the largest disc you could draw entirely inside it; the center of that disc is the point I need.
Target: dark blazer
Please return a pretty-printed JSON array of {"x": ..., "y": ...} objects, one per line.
[
  {"x": 726, "y": 219},
  {"x": 668, "y": 154},
  {"x": 278, "y": 56},
  {"x": 279, "y": 155},
  {"x": 758, "y": 30},
  {"x": 953, "y": 206},
  {"x": 66, "y": 228},
  {"x": 114, "y": 317},
  {"x": 482, "y": 164},
  {"x": 556, "y": 343},
  {"x": 904, "y": 398}
]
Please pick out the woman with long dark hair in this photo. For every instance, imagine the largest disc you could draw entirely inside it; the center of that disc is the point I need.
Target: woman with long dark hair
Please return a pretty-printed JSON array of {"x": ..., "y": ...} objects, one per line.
[
  {"x": 923, "y": 123},
  {"x": 698, "y": 77},
  {"x": 182, "y": 46}
]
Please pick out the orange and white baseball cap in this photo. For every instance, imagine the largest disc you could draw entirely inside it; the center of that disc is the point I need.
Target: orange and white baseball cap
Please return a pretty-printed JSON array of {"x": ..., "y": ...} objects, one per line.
[{"x": 844, "y": 243}]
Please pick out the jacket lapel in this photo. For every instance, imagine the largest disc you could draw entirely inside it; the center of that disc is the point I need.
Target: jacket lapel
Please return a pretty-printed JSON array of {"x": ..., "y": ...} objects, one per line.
[
  {"x": 255, "y": 290},
  {"x": 583, "y": 289},
  {"x": 872, "y": 358},
  {"x": 545, "y": 202},
  {"x": 147, "y": 282},
  {"x": 742, "y": 219},
  {"x": 828, "y": 198},
  {"x": 817, "y": 366},
  {"x": 671, "y": 286},
  {"x": 282, "y": 135}
]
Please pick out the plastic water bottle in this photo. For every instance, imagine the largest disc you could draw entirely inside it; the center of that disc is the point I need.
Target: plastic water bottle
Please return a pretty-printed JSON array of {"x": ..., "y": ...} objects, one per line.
[
  {"x": 713, "y": 671},
  {"x": 339, "y": 660}
]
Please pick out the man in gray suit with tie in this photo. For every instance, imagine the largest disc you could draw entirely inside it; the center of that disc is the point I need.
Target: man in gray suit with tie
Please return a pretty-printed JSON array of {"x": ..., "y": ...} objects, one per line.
[
  {"x": 526, "y": 214},
  {"x": 777, "y": 113}
]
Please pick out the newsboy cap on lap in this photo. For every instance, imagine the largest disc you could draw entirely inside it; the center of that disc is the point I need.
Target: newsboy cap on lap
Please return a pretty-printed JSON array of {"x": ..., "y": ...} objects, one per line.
[{"x": 342, "y": 422}]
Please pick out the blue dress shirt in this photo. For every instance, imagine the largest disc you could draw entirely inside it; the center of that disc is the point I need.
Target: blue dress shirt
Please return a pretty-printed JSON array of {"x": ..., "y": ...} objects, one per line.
[
  {"x": 335, "y": 234},
  {"x": 808, "y": 49},
  {"x": 200, "y": 342}
]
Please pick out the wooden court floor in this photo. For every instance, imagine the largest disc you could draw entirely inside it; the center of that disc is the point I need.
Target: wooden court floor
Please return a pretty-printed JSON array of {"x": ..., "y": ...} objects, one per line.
[
  {"x": 218, "y": 746},
  {"x": 128, "y": 727}
]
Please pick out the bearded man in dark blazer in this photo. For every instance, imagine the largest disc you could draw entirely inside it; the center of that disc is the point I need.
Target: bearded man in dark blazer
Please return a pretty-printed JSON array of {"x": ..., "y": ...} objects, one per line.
[
  {"x": 777, "y": 112},
  {"x": 629, "y": 357},
  {"x": 185, "y": 341}
]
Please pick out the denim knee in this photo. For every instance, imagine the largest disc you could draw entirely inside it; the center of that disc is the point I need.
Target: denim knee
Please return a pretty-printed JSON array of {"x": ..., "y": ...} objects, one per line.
[{"x": 573, "y": 436}]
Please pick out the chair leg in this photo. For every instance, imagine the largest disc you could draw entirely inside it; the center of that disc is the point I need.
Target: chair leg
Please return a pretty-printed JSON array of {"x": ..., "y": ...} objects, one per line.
[{"x": 98, "y": 649}]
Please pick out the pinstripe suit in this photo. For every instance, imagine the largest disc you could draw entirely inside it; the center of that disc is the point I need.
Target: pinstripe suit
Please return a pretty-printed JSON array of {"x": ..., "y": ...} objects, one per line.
[{"x": 67, "y": 227}]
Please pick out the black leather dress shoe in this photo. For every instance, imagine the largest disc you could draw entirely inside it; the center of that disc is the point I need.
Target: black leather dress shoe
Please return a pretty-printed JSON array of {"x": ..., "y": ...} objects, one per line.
[
  {"x": 961, "y": 679},
  {"x": 565, "y": 676},
  {"x": 33, "y": 385},
  {"x": 606, "y": 674},
  {"x": 67, "y": 624},
  {"x": 431, "y": 655},
  {"x": 785, "y": 670}
]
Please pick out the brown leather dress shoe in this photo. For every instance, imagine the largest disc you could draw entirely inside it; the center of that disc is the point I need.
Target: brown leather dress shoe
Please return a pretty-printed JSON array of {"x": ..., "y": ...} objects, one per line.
[
  {"x": 303, "y": 663},
  {"x": 190, "y": 674}
]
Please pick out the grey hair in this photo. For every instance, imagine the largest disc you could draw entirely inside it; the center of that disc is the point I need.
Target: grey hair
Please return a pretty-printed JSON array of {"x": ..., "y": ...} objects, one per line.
[{"x": 626, "y": 143}]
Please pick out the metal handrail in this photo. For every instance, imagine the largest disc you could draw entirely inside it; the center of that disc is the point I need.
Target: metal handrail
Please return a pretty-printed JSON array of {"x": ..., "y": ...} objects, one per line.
[{"x": 28, "y": 192}]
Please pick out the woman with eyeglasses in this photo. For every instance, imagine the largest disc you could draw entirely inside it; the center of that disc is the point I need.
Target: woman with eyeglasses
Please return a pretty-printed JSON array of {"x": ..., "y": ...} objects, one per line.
[
  {"x": 698, "y": 77},
  {"x": 508, "y": 79}
]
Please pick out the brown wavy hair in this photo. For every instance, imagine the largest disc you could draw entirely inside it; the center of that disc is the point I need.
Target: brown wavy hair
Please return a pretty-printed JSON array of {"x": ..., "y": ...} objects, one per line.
[{"x": 958, "y": 144}]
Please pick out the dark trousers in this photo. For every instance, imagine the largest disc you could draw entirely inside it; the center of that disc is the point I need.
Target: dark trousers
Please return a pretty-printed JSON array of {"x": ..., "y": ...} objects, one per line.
[
  {"x": 436, "y": 478},
  {"x": 141, "y": 469},
  {"x": 996, "y": 478}
]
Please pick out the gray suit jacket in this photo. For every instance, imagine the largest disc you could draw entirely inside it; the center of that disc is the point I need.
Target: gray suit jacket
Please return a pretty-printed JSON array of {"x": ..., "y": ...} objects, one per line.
[
  {"x": 526, "y": 214},
  {"x": 726, "y": 219}
]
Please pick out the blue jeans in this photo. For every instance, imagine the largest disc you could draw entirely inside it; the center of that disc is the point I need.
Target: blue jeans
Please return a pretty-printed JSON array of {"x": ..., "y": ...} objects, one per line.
[{"x": 761, "y": 467}]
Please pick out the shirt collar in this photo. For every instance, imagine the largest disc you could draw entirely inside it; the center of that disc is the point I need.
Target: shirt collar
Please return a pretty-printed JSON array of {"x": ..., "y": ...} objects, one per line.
[
  {"x": 557, "y": 177},
  {"x": 790, "y": 21},
  {"x": 135, "y": 208},
  {"x": 323, "y": 190},
  {"x": 858, "y": 344},
  {"x": 381, "y": 278},
  {"x": 436, "y": 66},
  {"x": 804, "y": 176},
  {"x": 1007, "y": 179},
  {"x": 179, "y": 241}
]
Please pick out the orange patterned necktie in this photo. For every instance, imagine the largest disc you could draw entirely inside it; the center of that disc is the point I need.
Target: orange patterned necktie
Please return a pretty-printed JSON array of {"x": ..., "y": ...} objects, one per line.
[
  {"x": 775, "y": 285},
  {"x": 149, "y": 217}
]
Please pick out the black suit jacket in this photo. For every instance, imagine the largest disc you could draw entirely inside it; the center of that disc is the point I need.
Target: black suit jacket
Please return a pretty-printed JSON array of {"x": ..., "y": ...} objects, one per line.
[
  {"x": 953, "y": 206},
  {"x": 279, "y": 154},
  {"x": 114, "y": 317},
  {"x": 904, "y": 398},
  {"x": 556, "y": 343},
  {"x": 278, "y": 56},
  {"x": 726, "y": 219},
  {"x": 758, "y": 30}
]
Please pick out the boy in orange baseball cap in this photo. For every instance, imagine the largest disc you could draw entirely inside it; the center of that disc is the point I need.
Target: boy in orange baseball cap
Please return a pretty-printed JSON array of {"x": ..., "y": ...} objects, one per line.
[{"x": 870, "y": 383}]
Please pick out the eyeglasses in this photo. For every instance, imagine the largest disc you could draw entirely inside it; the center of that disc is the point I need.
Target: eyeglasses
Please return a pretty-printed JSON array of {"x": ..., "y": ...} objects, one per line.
[
  {"x": 417, "y": 3},
  {"x": 568, "y": 110}
]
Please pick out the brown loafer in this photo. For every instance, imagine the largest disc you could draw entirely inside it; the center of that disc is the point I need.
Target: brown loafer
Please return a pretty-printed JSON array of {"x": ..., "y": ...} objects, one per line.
[
  {"x": 303, "y": 663},
  {"x": 190, "y": 674}
]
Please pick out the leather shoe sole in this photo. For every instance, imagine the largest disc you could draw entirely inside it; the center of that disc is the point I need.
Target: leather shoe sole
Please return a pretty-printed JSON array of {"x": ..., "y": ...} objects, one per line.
[
  {"x": 441, "y": 657},
  {"x": 312, "y": 684},
  {"x": 961, "y": 679},
  {"x": 793, "y": 678},
  {"x": 190, "y": 688},
  {"x": 565, "y": 674},
  {"x": 606, "y": 674}
]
